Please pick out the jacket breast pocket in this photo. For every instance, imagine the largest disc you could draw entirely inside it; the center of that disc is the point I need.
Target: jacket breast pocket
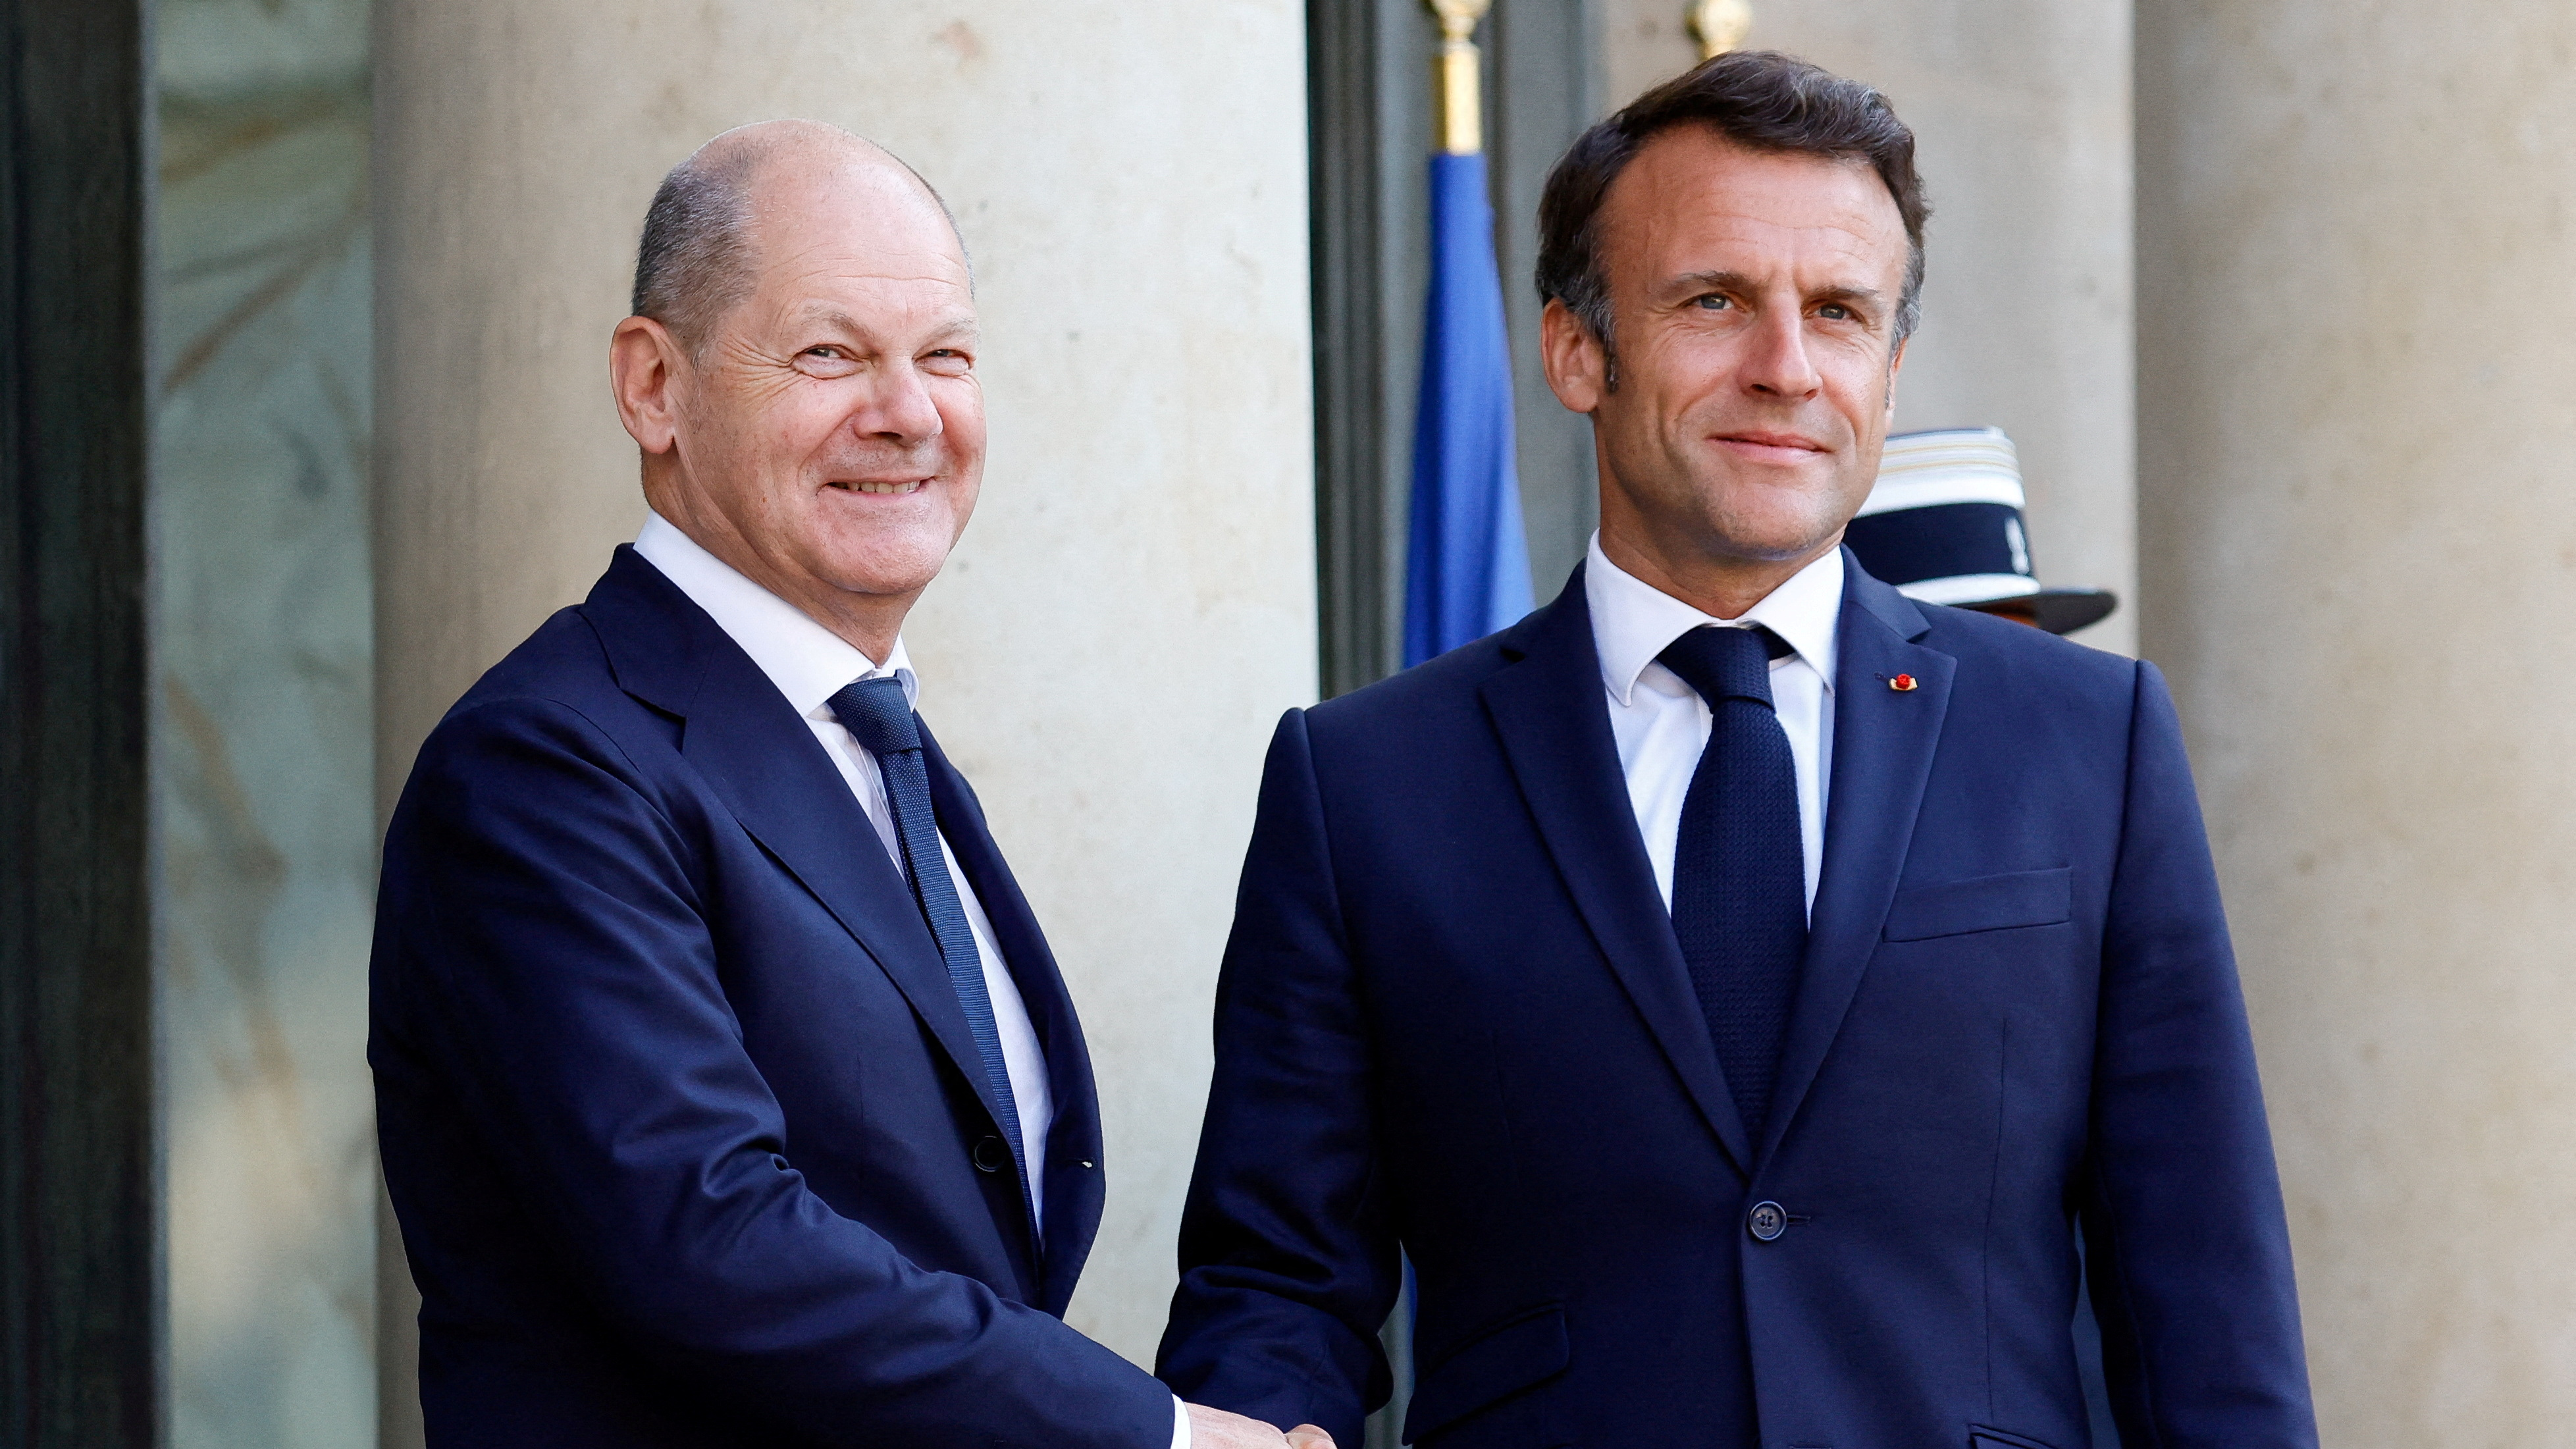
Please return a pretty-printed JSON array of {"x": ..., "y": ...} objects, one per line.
[
  {"x": 1500, "y": 1364},
  {"x": 1986, "y": 903}
]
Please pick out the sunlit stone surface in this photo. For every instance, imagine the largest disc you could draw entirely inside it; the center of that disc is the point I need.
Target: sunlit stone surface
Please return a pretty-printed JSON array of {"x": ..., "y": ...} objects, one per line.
[
  {"x": 261, "y": 704},
  {"x": 2361, "y": 545}
]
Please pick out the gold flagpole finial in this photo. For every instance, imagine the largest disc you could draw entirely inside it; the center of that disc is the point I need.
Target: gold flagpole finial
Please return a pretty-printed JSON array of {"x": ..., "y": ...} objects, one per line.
[
  {"x": 1720, "y": 25},
  {"x": 1462, "y": 102}
]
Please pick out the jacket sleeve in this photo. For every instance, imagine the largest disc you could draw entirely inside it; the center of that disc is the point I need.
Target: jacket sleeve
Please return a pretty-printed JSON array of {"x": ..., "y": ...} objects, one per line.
[
  {"x": 544, "y": 946},
  {"x": 1287, "y": 1252},
  {"x": 2189, "y": 1253}
]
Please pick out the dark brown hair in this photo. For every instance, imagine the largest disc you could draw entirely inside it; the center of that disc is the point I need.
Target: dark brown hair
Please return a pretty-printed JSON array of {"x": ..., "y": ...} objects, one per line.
[{"x": 1758, "y": 99}]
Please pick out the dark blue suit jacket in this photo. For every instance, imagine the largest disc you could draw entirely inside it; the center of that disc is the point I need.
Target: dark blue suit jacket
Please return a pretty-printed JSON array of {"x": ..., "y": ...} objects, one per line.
[
  {"x": 678, "y": 1108},
  {"x": 1454, "y": 1018}
]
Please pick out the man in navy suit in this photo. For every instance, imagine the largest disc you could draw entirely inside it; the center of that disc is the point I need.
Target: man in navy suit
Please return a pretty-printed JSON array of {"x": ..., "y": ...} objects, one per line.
[
  {"x": 1731, "y": 985},
  {"x": 727, "y": 1091}
]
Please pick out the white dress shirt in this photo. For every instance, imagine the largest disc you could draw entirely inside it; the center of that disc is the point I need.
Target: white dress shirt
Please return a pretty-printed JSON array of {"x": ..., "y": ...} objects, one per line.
[
  {"x": 810, "y": 664},
  {"x": 1661, "y": 724}
]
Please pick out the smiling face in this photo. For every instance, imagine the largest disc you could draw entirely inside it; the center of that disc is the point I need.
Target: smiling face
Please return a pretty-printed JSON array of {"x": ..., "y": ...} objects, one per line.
[
  {"x": 826, "y": 438},
  {"x": 1753, "y": 300}
]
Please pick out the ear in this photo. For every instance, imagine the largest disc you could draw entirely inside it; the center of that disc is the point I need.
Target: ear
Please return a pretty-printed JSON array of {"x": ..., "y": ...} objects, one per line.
[
  {"x": 1895, "y": 362},
  {"x": 644, "y": 365},
  {"x": 1578, "y": 367}
]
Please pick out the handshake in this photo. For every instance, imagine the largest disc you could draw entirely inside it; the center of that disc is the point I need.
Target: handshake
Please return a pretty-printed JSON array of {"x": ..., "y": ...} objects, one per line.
[{"x": 1217, "y": 1429}]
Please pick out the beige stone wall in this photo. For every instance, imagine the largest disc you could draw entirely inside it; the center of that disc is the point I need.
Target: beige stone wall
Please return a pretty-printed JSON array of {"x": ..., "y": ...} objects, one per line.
[
  {"x": 2358, "y": 479},
  {"x": 1134, "y": 603},
  {"x": 2021, "y": 113}
]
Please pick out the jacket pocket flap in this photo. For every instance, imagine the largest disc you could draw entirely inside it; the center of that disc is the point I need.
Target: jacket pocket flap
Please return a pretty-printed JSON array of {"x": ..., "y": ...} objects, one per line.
[
  {"x": 1980, "y": 1437},
  {"x": 1502, "y": 1362},
  {"x": 1987, "y": 903}
]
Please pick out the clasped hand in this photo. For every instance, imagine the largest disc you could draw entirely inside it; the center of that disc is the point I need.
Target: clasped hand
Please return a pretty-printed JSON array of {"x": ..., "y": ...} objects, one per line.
[{"x": 1217, "y": 1429}]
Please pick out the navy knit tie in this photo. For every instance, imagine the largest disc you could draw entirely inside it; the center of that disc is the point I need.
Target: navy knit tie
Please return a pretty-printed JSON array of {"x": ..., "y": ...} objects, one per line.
[
  {"x": 878, "y": 716},
  {"x": 1739, "y": 866}
]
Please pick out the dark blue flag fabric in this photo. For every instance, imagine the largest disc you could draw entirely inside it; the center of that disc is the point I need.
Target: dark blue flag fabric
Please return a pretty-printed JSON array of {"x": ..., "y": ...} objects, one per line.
[{"x": 1467, "y": 563}]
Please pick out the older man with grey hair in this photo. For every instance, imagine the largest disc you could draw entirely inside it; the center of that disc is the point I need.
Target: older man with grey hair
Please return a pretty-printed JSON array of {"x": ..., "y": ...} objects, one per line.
[{"x": 728, "y": 1091}]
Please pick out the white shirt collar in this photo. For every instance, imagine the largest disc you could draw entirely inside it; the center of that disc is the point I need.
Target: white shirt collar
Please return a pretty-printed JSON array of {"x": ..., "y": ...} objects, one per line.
[
  {"x": 1633, "y": 621},
  {"x": 807, "y": 662}
]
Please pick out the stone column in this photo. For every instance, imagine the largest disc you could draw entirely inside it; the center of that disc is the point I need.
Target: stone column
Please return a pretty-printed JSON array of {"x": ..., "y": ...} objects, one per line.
[
  {"x": 2358, "y": 494},
  {"x": 1134, "y": 603},
  {"x": 2021, "y": 113}
]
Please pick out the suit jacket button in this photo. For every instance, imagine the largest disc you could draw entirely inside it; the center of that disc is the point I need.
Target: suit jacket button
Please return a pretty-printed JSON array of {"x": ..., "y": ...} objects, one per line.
[
  {"x": 991, "y": 1155},
  {"x": 1767, "y": 1221}
]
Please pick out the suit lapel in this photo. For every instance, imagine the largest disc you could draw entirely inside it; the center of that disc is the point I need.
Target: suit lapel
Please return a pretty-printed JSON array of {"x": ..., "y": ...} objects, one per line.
[
  {"x": 1549, "y": 708},
  {"x": 1074, "y": 1191},
  {"x": 1884, "y": 740},
  {"x": 772, "y": 773}
]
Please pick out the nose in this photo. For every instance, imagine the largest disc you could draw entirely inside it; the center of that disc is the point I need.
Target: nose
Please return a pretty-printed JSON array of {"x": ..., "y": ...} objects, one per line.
[
  {"x": 1779, "y": 365},
  {"x": 899, "y": 408}
]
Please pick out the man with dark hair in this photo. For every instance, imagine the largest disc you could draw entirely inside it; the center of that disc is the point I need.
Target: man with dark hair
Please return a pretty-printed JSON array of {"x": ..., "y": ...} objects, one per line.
[
  {"x": 728, "y": 1092},
  {"x": 1730, "y": 985}
]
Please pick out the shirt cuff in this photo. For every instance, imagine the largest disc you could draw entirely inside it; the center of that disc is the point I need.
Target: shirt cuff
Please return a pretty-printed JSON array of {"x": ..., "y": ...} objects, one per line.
[{"x": 1180, "y": 1424}]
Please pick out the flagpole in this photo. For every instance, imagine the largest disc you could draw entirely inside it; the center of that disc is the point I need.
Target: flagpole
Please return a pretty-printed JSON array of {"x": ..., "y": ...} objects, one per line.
[
  {"x": 1466, "y": 553},
  {"x": 1457, "y": 74},
  {"x": 1720, "y": 25}
]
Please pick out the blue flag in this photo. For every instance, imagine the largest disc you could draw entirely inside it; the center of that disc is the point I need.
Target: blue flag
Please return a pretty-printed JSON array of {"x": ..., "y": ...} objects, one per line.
[{"x": 1467, "y": 562}]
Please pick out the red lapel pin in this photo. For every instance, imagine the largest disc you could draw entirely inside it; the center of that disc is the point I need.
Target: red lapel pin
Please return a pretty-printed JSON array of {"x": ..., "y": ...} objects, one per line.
[{"x": 1902, "y": 684}]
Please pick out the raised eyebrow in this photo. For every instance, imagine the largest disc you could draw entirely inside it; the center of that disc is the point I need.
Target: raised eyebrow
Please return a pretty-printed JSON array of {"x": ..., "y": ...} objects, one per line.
[
  {"x": 962, "y": 328},
  {"x": 1869, "y": 297},
  {"x": 832, "y": 317},
  {"x": 1693, "y": 284},
  {"x": 958, "y": 327}
]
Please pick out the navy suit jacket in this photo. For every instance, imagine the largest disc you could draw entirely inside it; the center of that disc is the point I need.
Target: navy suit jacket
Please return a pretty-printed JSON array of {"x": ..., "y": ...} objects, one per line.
[
  {"x": 679, "y": 1111},
  {"x": 1454, "y": 1018}
]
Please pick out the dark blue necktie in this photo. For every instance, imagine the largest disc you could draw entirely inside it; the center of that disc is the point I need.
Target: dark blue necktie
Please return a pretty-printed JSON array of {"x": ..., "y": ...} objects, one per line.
[
  {"x": 878, "y": 716},
  {"x": 1739, "y": 865}
]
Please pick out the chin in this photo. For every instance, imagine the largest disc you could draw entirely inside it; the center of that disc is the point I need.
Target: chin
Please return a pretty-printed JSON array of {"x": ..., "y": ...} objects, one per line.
[
  {"x": 885, "y": 566},
  {"x": 1773, "y": 535},
  {"x": 896, "y": 544}
]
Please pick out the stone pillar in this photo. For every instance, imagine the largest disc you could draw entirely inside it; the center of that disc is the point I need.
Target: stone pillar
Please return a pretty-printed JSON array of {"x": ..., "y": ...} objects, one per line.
[
  {"x": 1135, "y": 601},
  {"x": 2021, "y": 113},
  {"x": 2358, "y": 495}
]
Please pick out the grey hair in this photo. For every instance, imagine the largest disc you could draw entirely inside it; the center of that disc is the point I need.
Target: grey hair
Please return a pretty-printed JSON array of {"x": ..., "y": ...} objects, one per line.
[{"x": 693, "y": 264}]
